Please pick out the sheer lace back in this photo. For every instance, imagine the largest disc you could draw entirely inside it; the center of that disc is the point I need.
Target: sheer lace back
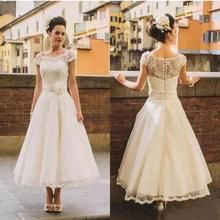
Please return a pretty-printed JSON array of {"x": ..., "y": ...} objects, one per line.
[{"x": 163, "y": 68}]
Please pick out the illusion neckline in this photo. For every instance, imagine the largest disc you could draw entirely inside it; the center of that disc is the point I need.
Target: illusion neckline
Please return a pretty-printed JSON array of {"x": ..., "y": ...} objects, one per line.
[
  {"x": 60, "y": 55},
  {"x": 165, "y": 58}
]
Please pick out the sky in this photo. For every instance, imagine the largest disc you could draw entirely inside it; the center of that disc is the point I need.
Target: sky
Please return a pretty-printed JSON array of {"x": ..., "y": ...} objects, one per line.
[{"x": 23, "y": 6}]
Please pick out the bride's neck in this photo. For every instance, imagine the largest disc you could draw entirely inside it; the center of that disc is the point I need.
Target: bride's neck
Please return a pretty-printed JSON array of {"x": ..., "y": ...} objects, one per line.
[
  {"x": 55, "y": 48},
  {"x": 165, "y": 46}
]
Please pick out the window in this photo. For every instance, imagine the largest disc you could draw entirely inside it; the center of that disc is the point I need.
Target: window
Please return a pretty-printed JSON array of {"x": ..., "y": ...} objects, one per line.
[
  {"x": 25, "y": 69},
  {"x": 19, "y": 33},
  {"x": 187, "y": 3},
  {"x": 102, "y": 15},
  {"x": 18, "y": 52},
  {"x": 204, "y": 18},
  {"x": 215, "y": 16},
  {"x": 112, "y": 40},
  {"x": 139, "y": 40},
  {"x": 113, "y": 19},
  {"x": 37, "y": 26},
  {"x": 215, "y": 36},
  {"x": 16, "y": 69},
  {"x": 207, "y": 37},
  {"x": 148, "y": 9},
  {"x": 63, "y": 12},
  {"x": 211, "y": 36},
  {"x": 27, "y": 30},
  {"x": 167, "y": 3},
  {"x": 157, "y": 5},
  {"x": 25, "y": 54},
  {"x": 133, "y": 41},
  {"x": 134, "y": 14},
  {"x": 85, "y": 17},
  {"x": 80, "y": 6},
  {"x": 141, "y": 11},
  {"x": 112, "y": 29},
  {"x": 218, "y": 38},
  {"x": 119, "y": 19},
  {"x": 134, "y": 27}
]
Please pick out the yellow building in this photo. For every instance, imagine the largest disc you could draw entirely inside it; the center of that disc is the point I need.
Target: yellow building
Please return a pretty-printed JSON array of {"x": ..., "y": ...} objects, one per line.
[
  {"x": 7, "y": 50},
  {"x": 25, "y": 36},
  {"x": 102, "y": 22},
  {"x": 200, "y": 20},
  {"x": 11, "y": 56}
]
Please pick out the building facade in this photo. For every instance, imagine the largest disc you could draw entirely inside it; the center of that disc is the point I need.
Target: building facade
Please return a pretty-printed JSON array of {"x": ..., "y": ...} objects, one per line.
[
  {"x": 199, "y": 19},
  {"x": 25, "y": 36}
]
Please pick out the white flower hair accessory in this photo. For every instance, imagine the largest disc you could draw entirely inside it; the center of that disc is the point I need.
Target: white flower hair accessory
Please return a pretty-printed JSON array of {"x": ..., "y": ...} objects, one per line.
[
  {"x": 163, "y": 23},
  {"x": 47, "y": 22}
]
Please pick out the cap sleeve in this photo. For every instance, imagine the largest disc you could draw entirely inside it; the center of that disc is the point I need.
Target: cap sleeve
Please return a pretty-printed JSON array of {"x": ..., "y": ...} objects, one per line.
[
  {"x": 184, "y": 60},
  {"x": 38, "y": 58},
  {"x": 144, "y": 58},
  {"x": 70, "y": 56}
]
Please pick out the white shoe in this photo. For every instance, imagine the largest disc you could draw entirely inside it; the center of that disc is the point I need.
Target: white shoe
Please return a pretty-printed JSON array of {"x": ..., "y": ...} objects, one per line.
[{"x": 160, "y": 205}]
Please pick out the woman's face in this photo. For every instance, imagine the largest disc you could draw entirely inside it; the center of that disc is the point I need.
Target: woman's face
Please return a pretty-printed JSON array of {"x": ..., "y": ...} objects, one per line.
[
  {"x": 172, "y": 37},
  {"x": 57, "y": 35}
]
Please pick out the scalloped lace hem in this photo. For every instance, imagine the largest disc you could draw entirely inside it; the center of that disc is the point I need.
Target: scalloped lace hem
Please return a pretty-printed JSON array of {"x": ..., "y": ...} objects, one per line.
[{"x": 142, "y": 199}]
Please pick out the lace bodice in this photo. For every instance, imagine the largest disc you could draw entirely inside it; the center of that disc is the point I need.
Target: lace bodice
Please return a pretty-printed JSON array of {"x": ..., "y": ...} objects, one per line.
[
  {"x": 163, "y": 68},
  {"x": 163, "y": 74},
  {"x": 54, "y": 70}
]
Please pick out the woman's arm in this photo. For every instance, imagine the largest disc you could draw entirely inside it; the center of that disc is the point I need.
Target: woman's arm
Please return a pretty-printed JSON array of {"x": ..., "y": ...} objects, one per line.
[
  {"x": 37, "y": 89},
  {"x": 73, "y": 88},
  {"x": 140, "y": 82},
  {"x": 186, "y": 80}
]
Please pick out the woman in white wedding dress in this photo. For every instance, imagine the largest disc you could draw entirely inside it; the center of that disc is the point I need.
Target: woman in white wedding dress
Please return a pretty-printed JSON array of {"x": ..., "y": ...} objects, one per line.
[
  {"x": 56, "y": 151},
  {"x": 163, "y": 160}
]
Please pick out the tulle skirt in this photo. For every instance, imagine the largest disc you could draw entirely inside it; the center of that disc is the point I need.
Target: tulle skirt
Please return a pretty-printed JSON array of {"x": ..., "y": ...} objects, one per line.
[
  {"x": 163, "y": 159},
  {"x": 56, "y": 151}
]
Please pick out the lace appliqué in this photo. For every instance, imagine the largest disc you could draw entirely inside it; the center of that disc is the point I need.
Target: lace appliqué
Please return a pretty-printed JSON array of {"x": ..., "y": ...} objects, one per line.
[
  {"x": 142, "y": 199},
  {"x": 38, "y": 58},
  {"x": 163, "y": 68},
  {"x": 70, "y": 56}
]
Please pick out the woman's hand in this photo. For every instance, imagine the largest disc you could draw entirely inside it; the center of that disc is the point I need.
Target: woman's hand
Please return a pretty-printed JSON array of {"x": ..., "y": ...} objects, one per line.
[
  {"x": 80, "y": 116},
  {"x": 195, "y": 79},
  {"x": 120, "y": 78}
]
